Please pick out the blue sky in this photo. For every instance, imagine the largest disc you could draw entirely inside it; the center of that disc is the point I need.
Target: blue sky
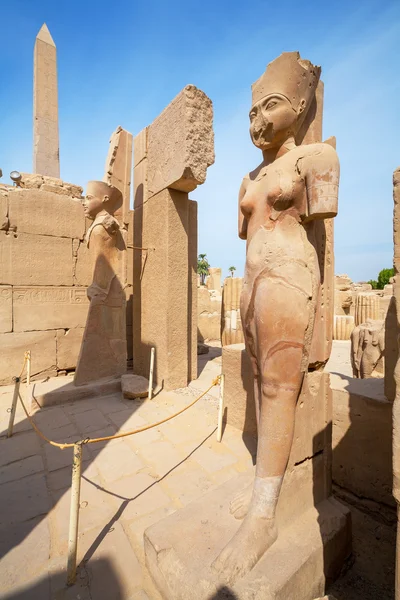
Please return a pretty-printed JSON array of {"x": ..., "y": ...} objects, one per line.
[{"x": 121, "y": 63}]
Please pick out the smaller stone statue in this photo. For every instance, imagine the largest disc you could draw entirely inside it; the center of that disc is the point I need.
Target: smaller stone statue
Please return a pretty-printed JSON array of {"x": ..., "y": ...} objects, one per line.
[
  {"x": 367, "y": 349},
  {"x": 103, "y": 350}
]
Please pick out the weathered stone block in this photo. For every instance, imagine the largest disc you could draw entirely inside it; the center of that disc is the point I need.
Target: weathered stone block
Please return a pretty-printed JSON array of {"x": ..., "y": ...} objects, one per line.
[
  {"x": 192, "y": 290},
  {"x": 214, "y": 279},
  {"x": 73, "y": 190},
  {"x": 313, "y": 412},
  {"x": 31, "y": 180},
  {"x": 134, "y": 386},
  {"x": 3, "y": 211},
  {"x": 118, "y": 168},
  {"x": 308, "y": 550},
  {"x": 35, "y": 259},
  {"x": 162, "y": 320},
  {"x": 209, "y": 326},
  {"x": 140, "y": 184},
  {"x": 44, "y": 307},
  {"x": 6, "y": 309},
  {"x": 42, "y": 345},
  {"x": 45, "y": 212},
  {"x": 203, "y": 300},
  {"x": 362, "y": 443},
  {"x": 68, "y": 347},
  {"x": 231, "y": 323},
  {"x": 56, "y": 181},
  {"x": 181, "y": 143},
  {"x": 140, "y": 146},
  {"x": 129, "y": 237}
]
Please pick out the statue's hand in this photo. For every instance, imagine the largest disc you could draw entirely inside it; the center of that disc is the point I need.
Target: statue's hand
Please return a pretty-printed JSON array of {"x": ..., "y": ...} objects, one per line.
[{"x": 96, "y": 294}]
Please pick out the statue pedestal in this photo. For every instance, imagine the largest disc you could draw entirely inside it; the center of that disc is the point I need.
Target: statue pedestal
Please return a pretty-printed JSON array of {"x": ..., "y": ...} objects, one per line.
[
  {"x": 181, "y": 548},
  {"x": 314, "y": 529}
]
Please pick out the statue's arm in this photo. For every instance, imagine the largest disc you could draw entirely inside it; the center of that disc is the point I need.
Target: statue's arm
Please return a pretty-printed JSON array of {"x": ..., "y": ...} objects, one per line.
[
  {"x": 242, "y": 219},
  {"x": 103, "y": 272},
  {"x": 320, "y": 167}
]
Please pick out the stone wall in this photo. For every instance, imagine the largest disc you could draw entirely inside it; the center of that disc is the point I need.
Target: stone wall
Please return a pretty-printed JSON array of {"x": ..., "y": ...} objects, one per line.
[
  {"x": 231, "y": 323},
  {"x": 44, "y": 272},
  {"x": 357, "y": 302},
  {"x": 208, "y": 314},
  {"x": 362, "y": 427}
]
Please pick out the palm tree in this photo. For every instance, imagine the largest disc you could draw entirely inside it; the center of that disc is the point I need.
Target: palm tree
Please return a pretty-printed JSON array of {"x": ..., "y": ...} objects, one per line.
[
  {"x": 232, "y": 270},
  {"x": 202, "y": 267}
]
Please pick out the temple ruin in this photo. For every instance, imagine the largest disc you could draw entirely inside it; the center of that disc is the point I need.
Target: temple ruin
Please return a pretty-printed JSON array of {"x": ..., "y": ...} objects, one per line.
[{"x": 169, "y": 437}]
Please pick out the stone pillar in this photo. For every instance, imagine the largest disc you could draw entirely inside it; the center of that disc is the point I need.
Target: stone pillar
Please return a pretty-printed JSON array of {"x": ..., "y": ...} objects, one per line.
[
  {"x": 171, "y": 157},
  {"x": 231, "y": 323},
  {"x": 392, "y": 367},
  {"x": 392, "y": 321},
  {"x": 367, "y": 307},
  {"x": 321, "y": 231},
  {"x": 342, "y": 327},
  {"x": 213, "y": 281},
  {"x": 118, "y": 169},
  {"x": 118, "y": 172},
  {"x": 46, "y": 152}
]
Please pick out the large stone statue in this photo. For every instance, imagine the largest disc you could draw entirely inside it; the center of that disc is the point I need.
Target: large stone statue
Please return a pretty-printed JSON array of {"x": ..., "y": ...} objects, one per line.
[
  {"x": 103, "y": 350},
  {"x": 278, "y": 204}
]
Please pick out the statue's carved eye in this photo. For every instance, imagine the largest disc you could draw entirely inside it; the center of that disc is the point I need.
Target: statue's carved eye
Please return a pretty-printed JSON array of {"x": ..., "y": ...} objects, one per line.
[
  {"x": 271, "y": 104},
  {"x": 252, "y": 115}
]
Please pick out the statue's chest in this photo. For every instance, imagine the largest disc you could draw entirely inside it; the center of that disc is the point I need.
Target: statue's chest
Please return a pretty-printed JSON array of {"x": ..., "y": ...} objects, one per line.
[{"x": 273, "y": 191}]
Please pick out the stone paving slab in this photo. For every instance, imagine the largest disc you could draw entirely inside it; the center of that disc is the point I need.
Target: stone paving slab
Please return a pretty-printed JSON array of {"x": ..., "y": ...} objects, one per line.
[{"x": 128, "y": 484}]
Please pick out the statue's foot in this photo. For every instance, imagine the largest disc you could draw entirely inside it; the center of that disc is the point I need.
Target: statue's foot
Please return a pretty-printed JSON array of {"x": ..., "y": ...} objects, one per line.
[
  {"x": 251, "y": 541},
  {"x": 241, "y": 502}
]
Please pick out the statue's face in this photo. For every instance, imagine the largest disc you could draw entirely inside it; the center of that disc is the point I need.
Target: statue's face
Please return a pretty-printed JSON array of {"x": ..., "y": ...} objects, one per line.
[
  {"x": 272, "y": 120},
  {"x": 92, "y": 206}
]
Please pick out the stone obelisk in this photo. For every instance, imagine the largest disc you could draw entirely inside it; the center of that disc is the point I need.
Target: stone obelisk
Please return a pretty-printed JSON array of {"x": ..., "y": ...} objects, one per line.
[{"x": 46, "y": 155}]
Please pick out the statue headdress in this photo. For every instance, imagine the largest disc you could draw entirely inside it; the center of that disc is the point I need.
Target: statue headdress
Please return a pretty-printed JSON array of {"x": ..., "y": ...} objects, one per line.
[{"x": 292, "y": 77}]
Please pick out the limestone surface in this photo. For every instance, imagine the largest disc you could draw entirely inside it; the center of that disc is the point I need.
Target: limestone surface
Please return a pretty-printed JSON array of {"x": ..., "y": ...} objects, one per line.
[
  {"x": 134, "y": 386},
  {"x": 181, "y": 143}
]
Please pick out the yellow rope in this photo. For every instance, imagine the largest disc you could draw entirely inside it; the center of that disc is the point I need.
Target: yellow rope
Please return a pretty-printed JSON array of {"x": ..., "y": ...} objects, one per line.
[{"x": 117, "y": 435}]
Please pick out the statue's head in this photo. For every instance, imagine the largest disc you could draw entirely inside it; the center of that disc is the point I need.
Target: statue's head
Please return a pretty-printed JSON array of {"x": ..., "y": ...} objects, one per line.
[
  {"x": 101, "y": 196},
  {"x": 281, "y": 99}
]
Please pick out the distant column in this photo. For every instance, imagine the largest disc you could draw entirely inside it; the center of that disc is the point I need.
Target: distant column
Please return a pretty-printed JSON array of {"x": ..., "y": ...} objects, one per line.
[{"x": 46, "y": 153}]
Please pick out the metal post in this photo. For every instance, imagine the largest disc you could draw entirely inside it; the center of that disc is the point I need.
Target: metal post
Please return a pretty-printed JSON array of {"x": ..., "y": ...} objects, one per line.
[
  {"x": 220, "y": 408},
  {"x": 74, "y": 514},
  {"x": 153, "y": 351},
  {"x": 13, "y": 407},
  {"x": 28, "y": 367}
]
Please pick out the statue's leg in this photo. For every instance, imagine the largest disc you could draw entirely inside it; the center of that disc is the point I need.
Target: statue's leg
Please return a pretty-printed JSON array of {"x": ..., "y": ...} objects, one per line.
[
  {"x": 281, "y": 316},
  {"x": 241, "y": 501}
]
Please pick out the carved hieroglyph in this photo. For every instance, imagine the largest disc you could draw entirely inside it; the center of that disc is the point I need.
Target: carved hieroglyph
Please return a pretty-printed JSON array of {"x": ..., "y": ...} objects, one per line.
[
  {"x": 46, "y": 154},
  {"x": 281, "y": 204},
  {"x": 103, "y": 350}
]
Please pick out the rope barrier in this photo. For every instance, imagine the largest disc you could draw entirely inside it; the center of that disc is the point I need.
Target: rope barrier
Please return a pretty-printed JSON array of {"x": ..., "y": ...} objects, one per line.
[
  {"x": 77, "y": 455},
  {"x": 117, "y": 435}
]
